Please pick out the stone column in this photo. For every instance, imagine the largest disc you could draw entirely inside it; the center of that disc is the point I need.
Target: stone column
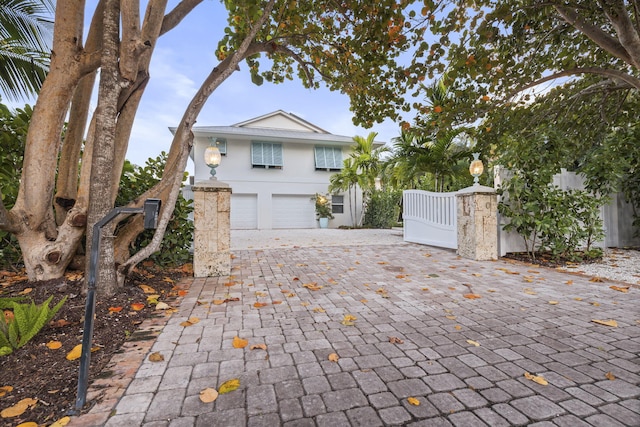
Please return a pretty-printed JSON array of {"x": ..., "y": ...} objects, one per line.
[
  {"x": 212, "y": 224},
  {"x": 477, "y": 223}
]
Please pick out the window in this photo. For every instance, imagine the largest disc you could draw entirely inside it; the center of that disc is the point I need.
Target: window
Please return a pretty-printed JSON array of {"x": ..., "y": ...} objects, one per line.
[
  {"x": 266, "y": 155},
  {"x": 221, "y": 143},
  {"x": 329, "y": 158},
  {"x": 337, "y": 204}
]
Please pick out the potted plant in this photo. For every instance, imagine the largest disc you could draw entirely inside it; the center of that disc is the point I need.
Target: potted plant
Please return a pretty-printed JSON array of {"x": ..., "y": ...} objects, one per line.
[{"x": 323, "y": 209}]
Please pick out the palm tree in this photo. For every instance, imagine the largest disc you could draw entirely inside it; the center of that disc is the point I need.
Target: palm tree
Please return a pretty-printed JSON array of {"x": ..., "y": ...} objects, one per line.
[
  {"x": 361, "y": 169},
  {"x": 25, "y": 42}
]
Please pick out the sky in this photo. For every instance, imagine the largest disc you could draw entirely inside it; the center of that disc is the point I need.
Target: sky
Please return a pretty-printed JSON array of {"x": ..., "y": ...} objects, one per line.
[{"x": 182, "y": 60}]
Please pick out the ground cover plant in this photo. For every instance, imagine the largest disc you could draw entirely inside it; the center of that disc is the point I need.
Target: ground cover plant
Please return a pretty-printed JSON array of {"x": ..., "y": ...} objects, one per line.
[{"x": 40, "y": 369}]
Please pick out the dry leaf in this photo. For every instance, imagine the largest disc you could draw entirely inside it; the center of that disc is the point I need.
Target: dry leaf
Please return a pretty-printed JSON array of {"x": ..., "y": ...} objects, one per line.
[
  {"x": 596, "y": 279},
  {"x": 156, "y": 357},
  {"x": 610, "y": 376},
  {"x": 569, "y": 282},
  {"x": 609, "y": 322},
  {"x": 578, "y": 299},
  {"x": 304, "y": 303},
  {"x": 162, "y": 306},
  {"x": 553, "y": 302},
  {"x": 208, "y": 395},
  {"x": 190, "y": 322},
  {"x": 477, "y": 344},
  {"x": 218, "y": 301},
  {"x": 137, "y": 306},
  {"x": 260, "y": 304},
  {"x": 5, "y": 389},
  {"x": 348, "y": 320},
  {"x": 450, "y": 317},
  {"x": 61, "y": 422},
  {"x": 395, "y": 340},
  {"x": 18, "y": 409},
  {"x": 25, "y": 291},
  {"x": 413, "y": 401},
  {"x": 115, "y": 309},
  {"x": 312, "y": 286},
  {"x": 458, "y": 327},
  {"x": 229, "y": 386},
  {"x": 471, "y": 296},
  {"x": 74, "y": 353},
  {"x": 364, "y": 301},
  {"x": 276, "y": 302},
  {"x": 530, "y": 292},
  {"x": 535, "y": 378},
  {"x": 319, "y": 310},
  {"x": 333, "y": 357},
  {"x": 239, "y": 342},
  {"x": 260, "y": 294},
  {"x": 28, "y": 424},
  {"x": 54, "y": 345},
  {"x": 595, "y": 304},
  {"x": 258, "y": 347},
  {"x": 147, "y": 289},
  {"x": 476, "y": 274},
  {"x": 624, "y": 289},
  {"x": 342, "y": 292}
]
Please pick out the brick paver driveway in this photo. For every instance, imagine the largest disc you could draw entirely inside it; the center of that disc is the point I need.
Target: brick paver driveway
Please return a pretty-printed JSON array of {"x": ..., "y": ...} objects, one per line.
[{"x": 456, "y": 335}]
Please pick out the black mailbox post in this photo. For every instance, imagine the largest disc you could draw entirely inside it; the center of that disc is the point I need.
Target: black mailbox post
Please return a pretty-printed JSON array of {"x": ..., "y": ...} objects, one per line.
[{"x": 150, "y": 210}]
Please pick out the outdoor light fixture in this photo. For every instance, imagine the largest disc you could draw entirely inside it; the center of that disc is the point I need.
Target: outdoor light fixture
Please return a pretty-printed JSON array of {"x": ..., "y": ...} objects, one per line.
[
  {"x": 212, "y": 158},
  {"x": 476, "y": 168}
]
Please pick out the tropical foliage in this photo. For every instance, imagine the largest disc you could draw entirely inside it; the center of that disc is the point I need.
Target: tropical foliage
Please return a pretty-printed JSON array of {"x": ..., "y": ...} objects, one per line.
[
  {"x": 25, "y": 44},
  {"x": 359, "y": 172}
]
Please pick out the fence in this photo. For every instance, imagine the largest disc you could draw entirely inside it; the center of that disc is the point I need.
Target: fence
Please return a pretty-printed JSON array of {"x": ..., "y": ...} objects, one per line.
[{"x": 430, "y": 218}]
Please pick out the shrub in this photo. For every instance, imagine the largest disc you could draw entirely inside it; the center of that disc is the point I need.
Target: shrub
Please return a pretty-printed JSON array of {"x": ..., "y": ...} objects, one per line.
[
  {"x": 178, "y": 236},
  {"x": 382, "y": 209}
]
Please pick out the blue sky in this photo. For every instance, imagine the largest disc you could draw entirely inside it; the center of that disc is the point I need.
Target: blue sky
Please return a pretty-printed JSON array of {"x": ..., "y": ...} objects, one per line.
[{"x": 185, "y": 56}]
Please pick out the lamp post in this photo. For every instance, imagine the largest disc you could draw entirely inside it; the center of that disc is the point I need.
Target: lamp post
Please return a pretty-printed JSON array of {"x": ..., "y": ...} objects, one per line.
[
  {"x": 212, "y": 158},
  {"x": 476, "y": 168}
]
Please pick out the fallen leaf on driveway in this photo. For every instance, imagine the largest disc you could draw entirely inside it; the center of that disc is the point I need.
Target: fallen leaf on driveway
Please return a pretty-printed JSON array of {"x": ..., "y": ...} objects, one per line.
[
  {"x": 348, "y": 320},
  {"x": 471, "y": 296},
  {"x": 229, "y": 386},
  {"x": 258, "y": 347},
  {"x": 609, "y": 322},
  {"x": 190, "y": 322},
  {"x": 156, "y": 357},
  {"x": 450, "y": 317},
  {"x": 624, "y": 289},
  {"x": 239, "y": 342},
  {"x": 413, "y": 401},
  {"x": 536, "y": 378},
  {"x": 610, "y": 376},
  {"x": 333, "y": 357},
  {"x": 61, "y": 422},
  {"x": 596, "y": 279},
  {"x": 395, "y": 340},
  {"x": 319, "y": 310},
  {"x": 208, "y": 395},
  {"x": 553, "y": 302},
  {"x": 259, "y": 304},
  {"x": 477, "y": 344}
]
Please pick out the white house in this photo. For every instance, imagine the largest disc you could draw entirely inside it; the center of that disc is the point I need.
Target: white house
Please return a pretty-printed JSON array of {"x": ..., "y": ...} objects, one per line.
[{"x": 275, "y": 164}]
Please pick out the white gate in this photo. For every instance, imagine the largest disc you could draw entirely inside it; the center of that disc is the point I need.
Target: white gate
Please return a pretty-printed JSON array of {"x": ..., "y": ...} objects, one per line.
[{"x": 430, "y": 218}]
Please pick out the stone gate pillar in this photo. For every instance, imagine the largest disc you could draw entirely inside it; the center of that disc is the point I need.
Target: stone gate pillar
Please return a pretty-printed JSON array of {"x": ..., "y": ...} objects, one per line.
[
  {"x": 212, "y": 224},
  {"x": 477, "y": 223}
]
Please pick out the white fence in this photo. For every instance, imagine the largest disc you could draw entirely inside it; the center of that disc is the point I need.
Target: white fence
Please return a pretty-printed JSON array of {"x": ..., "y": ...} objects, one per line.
[{"x": 430, "y": 218}]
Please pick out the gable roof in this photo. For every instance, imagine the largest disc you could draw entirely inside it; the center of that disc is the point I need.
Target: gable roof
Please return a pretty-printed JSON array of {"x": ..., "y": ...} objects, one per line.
[{"x": 279, "y": 118}]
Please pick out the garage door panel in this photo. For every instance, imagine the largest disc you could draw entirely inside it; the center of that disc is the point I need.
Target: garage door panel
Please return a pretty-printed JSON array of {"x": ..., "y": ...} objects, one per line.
[
  {"x": 293, "y": 211},
  {"x": 244, "y": 211}
]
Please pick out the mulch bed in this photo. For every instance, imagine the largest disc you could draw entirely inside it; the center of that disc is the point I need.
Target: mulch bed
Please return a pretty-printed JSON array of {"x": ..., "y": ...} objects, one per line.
[{"x": 37, "y": 372}]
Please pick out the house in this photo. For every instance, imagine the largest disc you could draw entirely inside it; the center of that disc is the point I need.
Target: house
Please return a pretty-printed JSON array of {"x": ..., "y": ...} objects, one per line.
[{"x": 275, "y": 164}]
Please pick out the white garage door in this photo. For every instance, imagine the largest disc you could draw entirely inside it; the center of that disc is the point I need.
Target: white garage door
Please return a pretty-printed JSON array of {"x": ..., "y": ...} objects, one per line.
[
  {"x": 293, "y": 211},
  {"x": 244, "y": 211}
]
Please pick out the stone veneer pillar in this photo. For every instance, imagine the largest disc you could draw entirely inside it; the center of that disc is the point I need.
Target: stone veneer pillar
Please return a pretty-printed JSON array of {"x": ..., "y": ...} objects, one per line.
[
  {"x": 477, "y": 208},
  {"x": 212, "y": 224}
]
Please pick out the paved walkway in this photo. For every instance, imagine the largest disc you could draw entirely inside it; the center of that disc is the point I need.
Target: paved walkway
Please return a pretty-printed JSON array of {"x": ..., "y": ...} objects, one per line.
[{"x": 456, "y": 335}]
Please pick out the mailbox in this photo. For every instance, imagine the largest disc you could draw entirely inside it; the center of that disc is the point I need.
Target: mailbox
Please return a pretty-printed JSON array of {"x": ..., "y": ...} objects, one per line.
[{"x": 151, "y": 211}]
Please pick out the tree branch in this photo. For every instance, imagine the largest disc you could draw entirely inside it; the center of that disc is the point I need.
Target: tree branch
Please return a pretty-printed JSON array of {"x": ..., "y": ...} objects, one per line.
[
  {"x": 183, "y": 139},
  {"x": 614, "y": 74},
  {"x": 173, "y": 18},
  {"x": 627, "y": 34},
  {"x": 602, "y": 39}
]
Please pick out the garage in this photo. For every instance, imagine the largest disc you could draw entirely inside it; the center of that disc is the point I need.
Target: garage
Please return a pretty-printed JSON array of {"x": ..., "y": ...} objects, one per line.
[
  {"x": 293, "y": 211},
  {"x": 244, "y": 211}
]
